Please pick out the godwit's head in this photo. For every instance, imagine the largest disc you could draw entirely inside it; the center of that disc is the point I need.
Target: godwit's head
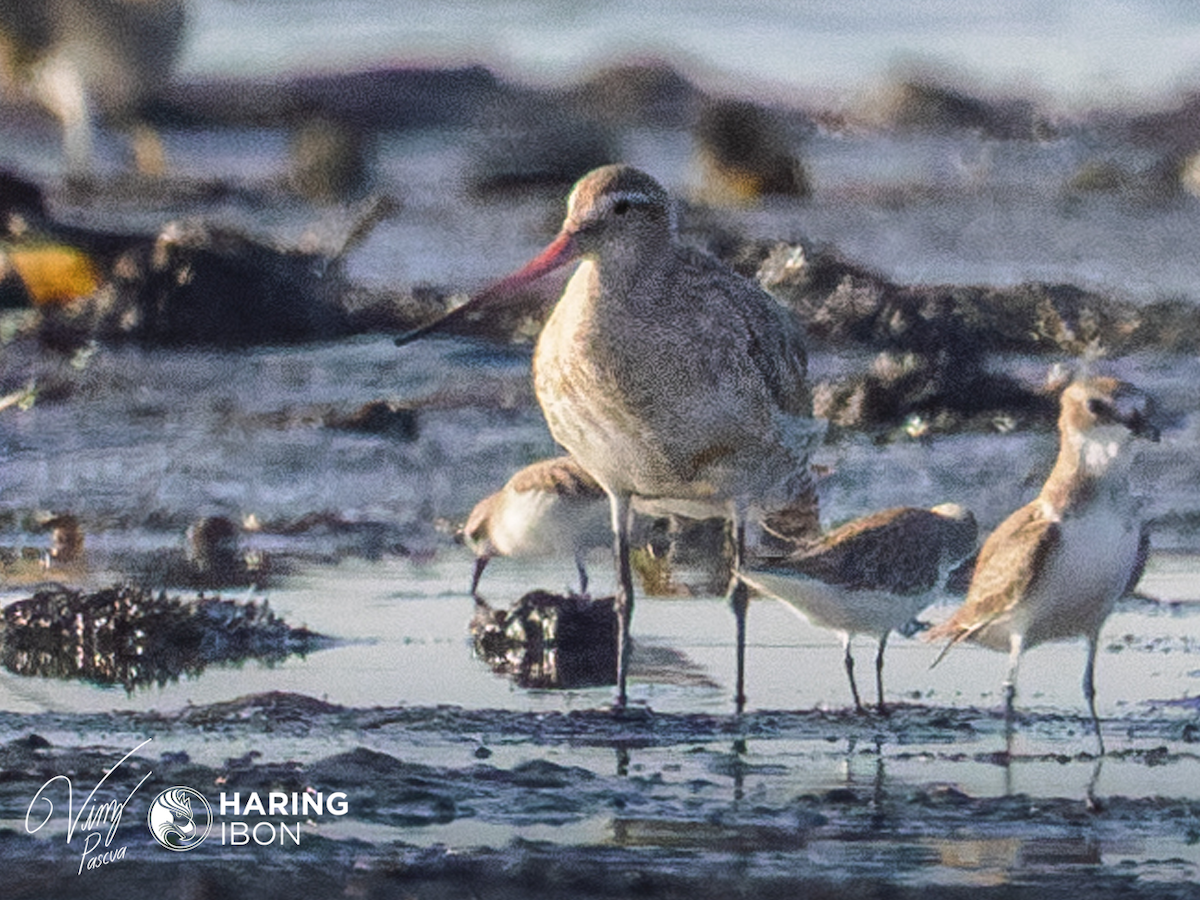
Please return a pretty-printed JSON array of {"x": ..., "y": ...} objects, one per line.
[
  {"x": 617, "y": 210},
  {"x": 616, "y": 215}
]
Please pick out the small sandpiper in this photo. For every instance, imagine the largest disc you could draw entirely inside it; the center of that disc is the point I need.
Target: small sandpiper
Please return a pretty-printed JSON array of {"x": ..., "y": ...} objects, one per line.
[
  {"x": 1054, "y": 568},
  {"x": 871, "y": 576},
  {"x": 549, "y": 508}
]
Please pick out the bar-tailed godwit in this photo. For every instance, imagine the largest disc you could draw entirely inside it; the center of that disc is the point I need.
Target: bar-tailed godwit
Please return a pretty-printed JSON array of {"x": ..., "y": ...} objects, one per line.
[
  {"x": 1054, "y": 568},
  {"x": 669, "y": 377},
  {"x": 871, "y": 576}
]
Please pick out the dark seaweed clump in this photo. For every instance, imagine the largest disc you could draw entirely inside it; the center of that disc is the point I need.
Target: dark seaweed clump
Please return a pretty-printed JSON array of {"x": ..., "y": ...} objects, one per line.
[
  {"x": 549, "y": 641},
  {"x": 128, "y": 636}
]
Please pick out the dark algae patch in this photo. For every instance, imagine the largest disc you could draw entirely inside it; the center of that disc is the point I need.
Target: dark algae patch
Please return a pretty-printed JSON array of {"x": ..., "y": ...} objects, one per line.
[{"x": 134, "y": 638}]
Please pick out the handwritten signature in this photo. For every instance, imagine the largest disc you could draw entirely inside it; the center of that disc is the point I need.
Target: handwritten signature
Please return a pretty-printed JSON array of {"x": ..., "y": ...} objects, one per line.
[{"x": 98, "y": 815}]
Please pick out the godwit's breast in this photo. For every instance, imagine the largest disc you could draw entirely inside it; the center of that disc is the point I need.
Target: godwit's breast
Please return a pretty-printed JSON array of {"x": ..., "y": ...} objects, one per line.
[{"x": 689, "y": 397}]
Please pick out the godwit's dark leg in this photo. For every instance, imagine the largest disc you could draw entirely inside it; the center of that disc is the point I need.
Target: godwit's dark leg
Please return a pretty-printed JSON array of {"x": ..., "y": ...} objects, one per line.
[
  {"x": 739, "y": 600},
  {"x": 620, "y": 520},
  {"x": 579, "y": 565},
  {"x": 879, "y": 674},
  {"x": 1089, "y": 688}
]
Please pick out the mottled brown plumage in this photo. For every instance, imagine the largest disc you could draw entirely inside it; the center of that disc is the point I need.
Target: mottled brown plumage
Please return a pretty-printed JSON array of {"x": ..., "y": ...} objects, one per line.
[
  {"x": 903, "y": 551},
  {"x": 562, "y": 476},
  {"x": 668, "y": 376},
  {"x": 872, "y": 575}
]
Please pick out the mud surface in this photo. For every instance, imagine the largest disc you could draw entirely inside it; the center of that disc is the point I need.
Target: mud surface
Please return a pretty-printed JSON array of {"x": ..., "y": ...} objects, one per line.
[{"x": 450, "y": 802}]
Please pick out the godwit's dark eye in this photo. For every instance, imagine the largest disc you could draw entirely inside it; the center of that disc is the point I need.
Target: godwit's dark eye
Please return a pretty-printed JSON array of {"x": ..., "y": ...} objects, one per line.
[{"x": 621, "y": 207}]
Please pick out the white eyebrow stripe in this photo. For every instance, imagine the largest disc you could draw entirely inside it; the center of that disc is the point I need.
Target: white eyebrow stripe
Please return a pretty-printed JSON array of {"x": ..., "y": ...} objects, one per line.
[{"x": 632, "y": 197}]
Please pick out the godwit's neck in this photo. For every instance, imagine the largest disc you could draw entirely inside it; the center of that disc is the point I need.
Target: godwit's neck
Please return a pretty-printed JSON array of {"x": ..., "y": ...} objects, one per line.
[
  {"x": 634, "y": 275},
  {"x": 1092, "y": 467}
]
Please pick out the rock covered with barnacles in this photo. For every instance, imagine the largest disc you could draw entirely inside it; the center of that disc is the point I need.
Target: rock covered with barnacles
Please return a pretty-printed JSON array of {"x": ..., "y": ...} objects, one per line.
[
  {"x": 843, "y": 303},
  {"x": 132, "y": 637},
  {"x": 934, "y": 342}
]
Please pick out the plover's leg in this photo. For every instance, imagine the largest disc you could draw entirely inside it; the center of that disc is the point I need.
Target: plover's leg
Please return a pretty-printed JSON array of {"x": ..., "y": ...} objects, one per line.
[
  {"x": 621, "y": 507},
  {"x": 1010, "y": 689},
  {"x": 850, "y": 672},
  {"x": 1089, "y": 688},
  {"x": 480, "y": 564},
  {"x": 879, "y": 674}
]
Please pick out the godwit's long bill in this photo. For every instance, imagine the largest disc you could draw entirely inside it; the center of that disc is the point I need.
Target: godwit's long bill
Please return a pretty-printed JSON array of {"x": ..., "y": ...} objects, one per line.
[
  {"x": 1054, "y": 568},
  {"x": 669, "y": 377},
  {"x": 871, "y": 576}
]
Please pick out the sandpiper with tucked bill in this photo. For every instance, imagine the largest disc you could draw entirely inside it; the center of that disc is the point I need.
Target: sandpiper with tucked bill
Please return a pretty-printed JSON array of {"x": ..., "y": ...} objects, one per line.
[
  {"x": 549, "y": 507},
  {"x": 871, "y": 576},
  {"x": 669, "y": 378},
  {"x": 1054, "y": 569}
]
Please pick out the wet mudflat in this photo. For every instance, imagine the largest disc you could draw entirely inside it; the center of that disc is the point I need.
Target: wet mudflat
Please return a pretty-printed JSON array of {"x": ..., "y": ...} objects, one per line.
[
  {"x": 453, "y": 802},
  {"x": 459, "y": 784}
]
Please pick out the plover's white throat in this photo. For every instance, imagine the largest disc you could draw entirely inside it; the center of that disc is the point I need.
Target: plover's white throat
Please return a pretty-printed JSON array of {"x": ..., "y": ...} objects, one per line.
[
  {"x": 871, "y": 576},
  {"x": 665, "y": 374},
  {"x": 1054, "y": 569},
  {"x": 549, "y": 508}
]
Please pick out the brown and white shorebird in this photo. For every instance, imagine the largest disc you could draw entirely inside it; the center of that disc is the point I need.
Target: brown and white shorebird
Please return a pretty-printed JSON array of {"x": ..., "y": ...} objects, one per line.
[
  {"x": 549, "y": 508},
  {"x": 1054, "y": 568},
  {"x": 871, "y": 576},
  {"x": 669, "y": 377}
]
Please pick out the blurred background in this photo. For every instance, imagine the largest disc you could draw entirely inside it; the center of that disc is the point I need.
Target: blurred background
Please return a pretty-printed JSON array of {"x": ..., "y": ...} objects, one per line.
[{"x": 1099, "y": 52}]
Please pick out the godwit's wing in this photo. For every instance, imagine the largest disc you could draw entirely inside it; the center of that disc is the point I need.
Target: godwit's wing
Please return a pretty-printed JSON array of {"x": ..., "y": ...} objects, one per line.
[{"x": 768, "y": 334}]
